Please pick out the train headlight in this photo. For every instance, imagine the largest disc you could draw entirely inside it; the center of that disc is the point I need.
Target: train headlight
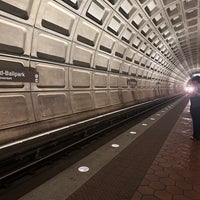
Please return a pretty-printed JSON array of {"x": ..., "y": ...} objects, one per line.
[{"x": 189, "y": 89}]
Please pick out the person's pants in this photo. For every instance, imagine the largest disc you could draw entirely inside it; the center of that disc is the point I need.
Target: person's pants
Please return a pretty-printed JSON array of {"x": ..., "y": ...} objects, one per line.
[{"x": 195, "y": 113}]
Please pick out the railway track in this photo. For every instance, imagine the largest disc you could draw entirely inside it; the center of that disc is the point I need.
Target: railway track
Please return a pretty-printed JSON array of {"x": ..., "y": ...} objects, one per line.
[{"x": 25, "y": 160}]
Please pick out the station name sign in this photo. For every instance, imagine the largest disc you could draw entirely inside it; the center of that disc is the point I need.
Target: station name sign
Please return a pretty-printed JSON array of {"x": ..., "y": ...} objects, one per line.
[{"x": 15, "y": 72}]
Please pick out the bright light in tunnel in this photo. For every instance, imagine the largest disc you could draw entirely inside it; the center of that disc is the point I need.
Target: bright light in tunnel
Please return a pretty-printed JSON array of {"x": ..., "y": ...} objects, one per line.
[
  {"x": 196, "y": 74},
  {"x": 189, "y": 89}
]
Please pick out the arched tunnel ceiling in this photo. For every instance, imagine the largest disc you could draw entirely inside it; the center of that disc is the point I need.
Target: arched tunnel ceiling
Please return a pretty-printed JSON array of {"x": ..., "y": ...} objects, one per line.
[
  {"x": 163, "y": 32},
  {"x": 183, "y": 19},
  {"x": 173, "y": 25}
]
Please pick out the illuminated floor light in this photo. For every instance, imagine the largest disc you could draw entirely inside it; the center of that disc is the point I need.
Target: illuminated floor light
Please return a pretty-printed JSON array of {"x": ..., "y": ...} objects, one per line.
[
  {"x": 152, "y": 119},
  {"x": 158, "y": 114},
  {"x": 144, "y": 124},
  {"x": 133, "y": 132},
  {"x": 115, "y": 145},
  {"x": 83, "y": 169},
  {"x": 163, "y": 111}
]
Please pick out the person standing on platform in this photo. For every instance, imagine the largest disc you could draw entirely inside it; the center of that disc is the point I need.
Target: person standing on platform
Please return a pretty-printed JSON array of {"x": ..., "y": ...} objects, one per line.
[{"x": 195, "y": 106}]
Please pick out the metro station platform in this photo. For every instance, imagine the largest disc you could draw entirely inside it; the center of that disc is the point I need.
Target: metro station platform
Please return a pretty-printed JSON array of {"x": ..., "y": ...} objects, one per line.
[
  {"x": 155, "y": 159},
  {"x": 174, "y": 173}
]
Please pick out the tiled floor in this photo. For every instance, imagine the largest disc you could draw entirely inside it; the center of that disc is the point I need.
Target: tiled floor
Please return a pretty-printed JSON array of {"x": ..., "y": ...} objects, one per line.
[{"x": 175, "y": 172}]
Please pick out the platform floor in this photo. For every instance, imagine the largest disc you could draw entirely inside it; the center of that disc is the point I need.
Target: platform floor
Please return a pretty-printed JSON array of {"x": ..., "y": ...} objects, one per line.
[
  {"x": 175, "y": 172},
  {"x": 173, "y": 175},
  {"x": 159, "y": 162}
]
